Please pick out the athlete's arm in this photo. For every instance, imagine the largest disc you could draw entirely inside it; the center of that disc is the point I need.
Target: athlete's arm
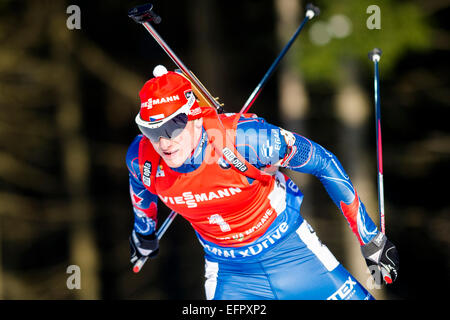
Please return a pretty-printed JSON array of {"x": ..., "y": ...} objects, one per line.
[
  {"x": 144, "y": 202},
  {"x": 263, "y": 144}
]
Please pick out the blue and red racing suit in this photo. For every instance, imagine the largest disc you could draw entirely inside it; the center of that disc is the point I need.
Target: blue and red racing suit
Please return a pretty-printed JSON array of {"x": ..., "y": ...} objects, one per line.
[{"x": 274, "y": 254}]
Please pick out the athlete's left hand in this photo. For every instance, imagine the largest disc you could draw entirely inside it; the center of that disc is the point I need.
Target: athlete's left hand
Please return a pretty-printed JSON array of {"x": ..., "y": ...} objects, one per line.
[
  {"x": 143, "y": 246},
  {"x": 381, "y": 258}
]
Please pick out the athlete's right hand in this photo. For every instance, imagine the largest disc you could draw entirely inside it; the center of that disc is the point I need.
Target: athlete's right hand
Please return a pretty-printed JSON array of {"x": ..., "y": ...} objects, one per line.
[{"x": 143, "y": 246}]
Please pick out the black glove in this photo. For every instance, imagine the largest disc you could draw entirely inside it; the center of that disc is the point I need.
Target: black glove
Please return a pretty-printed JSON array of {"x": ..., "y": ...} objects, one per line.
[
  {"x": 381, "y": 258},
  {"x": 143, "y": 246}
]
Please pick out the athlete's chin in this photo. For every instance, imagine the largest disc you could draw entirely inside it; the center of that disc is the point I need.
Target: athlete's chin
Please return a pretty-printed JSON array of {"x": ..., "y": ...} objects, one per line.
[
  {"x": 174, "y": 160},
  {"x": 173, "y": 164}
]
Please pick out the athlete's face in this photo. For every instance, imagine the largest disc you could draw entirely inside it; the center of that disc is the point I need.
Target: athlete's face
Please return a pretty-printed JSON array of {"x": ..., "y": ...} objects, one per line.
[{"x": 175, "y": 151}]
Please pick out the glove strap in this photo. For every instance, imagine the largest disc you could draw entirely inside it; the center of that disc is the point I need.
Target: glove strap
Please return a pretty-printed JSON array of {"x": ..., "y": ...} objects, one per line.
[
  {"x": 145, "y": 244},
  {"x": 373, "y": 249}
]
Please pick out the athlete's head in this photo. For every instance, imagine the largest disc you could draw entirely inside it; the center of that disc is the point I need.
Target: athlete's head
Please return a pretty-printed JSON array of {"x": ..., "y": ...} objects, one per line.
[{"x": 170, "y": 115}]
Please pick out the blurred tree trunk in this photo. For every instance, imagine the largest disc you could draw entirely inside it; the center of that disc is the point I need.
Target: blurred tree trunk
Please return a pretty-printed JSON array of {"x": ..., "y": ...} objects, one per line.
[
  {"x": 353, "y": 110},
  {"x": 293, "y": 97},
  {"x": 1, "y": 260},
  {"x": 205, "y": 44},
  {"x": 76, "y": 157},
  {"x": 294, "y": 103}
]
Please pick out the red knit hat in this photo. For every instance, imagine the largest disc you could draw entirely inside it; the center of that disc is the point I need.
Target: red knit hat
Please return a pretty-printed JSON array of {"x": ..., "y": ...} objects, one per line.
[
  {"x": 167, "y": 94},
  {"x": 167, "y": 104}
]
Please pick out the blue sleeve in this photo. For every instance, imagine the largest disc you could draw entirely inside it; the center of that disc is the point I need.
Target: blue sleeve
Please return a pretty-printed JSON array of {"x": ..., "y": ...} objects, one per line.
[
  {"x": 259, "y": 142},
  {"x": 144, "y": 202},
  {"x": 304, "y": 155},
  {"x": 263, "y": 144}
]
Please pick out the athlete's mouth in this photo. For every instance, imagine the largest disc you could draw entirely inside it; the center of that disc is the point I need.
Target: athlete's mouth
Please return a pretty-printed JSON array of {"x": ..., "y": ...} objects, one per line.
[{"x": 169, "y": 154}]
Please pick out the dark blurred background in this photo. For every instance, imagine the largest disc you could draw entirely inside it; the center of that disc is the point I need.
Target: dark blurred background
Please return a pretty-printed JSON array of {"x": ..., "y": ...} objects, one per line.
[{"x": 68, "y": 99}]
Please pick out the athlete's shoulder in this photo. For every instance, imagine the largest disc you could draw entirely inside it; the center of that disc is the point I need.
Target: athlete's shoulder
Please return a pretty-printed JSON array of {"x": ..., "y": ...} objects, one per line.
[
  {"x": 258, "y": 141},
  {"x": 253, "y": 122},
  {"x": 132, "y": 157}
]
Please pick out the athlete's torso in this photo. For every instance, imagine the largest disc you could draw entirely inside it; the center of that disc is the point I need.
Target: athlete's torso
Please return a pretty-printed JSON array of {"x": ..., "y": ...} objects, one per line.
[{"x": 224, "y": 207}]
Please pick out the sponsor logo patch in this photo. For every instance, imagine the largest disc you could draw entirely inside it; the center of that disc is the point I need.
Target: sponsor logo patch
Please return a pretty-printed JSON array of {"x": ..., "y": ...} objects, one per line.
[
  {"x": 151, "y": 102},
  {"x": 147, "y": 170},
  {"x": 345, "y": 292},
  {"x": 233, "y": 159},
  {"x": 191, "y": 200}
]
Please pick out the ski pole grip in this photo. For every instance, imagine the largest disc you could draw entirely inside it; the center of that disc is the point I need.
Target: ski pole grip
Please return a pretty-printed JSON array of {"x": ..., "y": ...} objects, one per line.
[
  {"x": 144, "y": 13},
  {"x": 375, "y": 54},
  {"x": 139, "y": 264},
  {"x": 386, "y": 276},
  {"x": 312, "y": 11}
]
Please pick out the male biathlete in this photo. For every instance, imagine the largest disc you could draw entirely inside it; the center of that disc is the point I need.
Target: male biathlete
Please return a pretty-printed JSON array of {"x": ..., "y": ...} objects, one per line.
[{"x": 219, "y": 171}]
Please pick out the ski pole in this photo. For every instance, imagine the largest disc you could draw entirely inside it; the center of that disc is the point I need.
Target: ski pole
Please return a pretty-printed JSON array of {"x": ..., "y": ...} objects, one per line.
[
  {"x": 375, "y": 56},
  {"x": 140, "y": 263},
  {"x": 311, "y": 12},
  {"x": 144, "y": 14}
]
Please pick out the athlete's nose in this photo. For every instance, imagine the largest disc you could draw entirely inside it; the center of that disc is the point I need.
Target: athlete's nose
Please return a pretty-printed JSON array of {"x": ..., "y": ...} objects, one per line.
[{"x": 165, "y": 143}]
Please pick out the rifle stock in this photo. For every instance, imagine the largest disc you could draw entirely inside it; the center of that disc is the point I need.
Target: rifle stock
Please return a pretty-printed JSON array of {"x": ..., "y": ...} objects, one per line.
[{"x": 203, "y": 95}]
